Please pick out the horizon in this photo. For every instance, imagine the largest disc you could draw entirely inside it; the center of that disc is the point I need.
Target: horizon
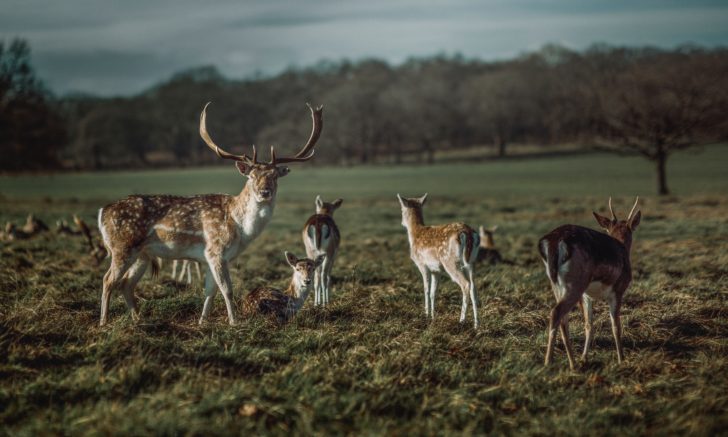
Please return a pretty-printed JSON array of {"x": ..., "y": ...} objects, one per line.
[{"x": 122, "y": 50}]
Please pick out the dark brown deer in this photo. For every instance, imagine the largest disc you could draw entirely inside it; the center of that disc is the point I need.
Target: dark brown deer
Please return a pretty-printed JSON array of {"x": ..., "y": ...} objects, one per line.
[
  {"x": 321, "y": 237},
  {"x": 582, "y": 265},
  {"x": 211, "y": 229}
]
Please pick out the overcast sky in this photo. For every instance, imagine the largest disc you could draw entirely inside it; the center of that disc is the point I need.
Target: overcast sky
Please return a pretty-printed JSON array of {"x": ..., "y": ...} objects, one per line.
[{"x": 125, "y": 46}]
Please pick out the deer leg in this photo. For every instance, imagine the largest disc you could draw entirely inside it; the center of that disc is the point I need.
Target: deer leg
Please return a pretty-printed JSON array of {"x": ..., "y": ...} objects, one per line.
[
  {"x": 174, "y": 270},
  {"x": 221, "y": 273},
  {"x": 119, "y": 265},
  {"x": 188, "y": 267},
  {"x": 473, "y": 295},
  {"x": 433, "y": 291},
  {"x": 131, "y": 278},
  {"x": 459, "y": 278},
  {"x": 426, "y": 282},
  {"x": 564, "y": 328},
  {"x": 557, "y": 313},
  {"x": 199, "y": 273},
  {"x": 210, "y": 290},
  {"x": 614, "y": 306},
  {"x": 586, "y": 306},
  {"x": 328, "y": 263}
]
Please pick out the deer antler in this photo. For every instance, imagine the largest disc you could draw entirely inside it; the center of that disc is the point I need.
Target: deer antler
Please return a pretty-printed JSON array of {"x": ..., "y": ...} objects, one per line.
[
  {"x": 637, "y": 199},
  {"x": 219, "y": 151},
  {"x": 614, "y": 216},
  {"x": 307, "y": 151}
]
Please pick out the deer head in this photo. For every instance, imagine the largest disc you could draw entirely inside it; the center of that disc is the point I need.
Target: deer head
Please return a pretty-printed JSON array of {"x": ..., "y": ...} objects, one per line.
[
  {"x": 327, "y": 208},
  {"x": 303, "y": 271},
  {"x": 412, "y": 209},
  {"x": 486, "y": 235},
  {"x": 263, "y": 176},
  {"x": 620, "y": 229}
]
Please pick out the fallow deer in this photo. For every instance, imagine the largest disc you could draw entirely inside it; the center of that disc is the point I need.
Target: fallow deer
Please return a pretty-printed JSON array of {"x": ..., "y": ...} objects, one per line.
[
  {"x": 582, "y": 265},
  {"x": 211, "y": 229},
  {"x": 321, "y": 237},
  {"x": 33, "y": 225},
  {"x": 488, "y": 253},
  {"x": 452, "y": 247},
  {"x": 283, "y": 305}
]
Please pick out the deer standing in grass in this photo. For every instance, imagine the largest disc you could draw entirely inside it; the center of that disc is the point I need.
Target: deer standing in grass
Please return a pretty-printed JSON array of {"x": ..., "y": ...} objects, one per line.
[
  {"x": 283, "y": 305},
  {"x": 211, "y": 229},
  {"x": 452, "y": 247},
  {"x": 582, "y": 265},
  {"x": 321, "y": 237}
]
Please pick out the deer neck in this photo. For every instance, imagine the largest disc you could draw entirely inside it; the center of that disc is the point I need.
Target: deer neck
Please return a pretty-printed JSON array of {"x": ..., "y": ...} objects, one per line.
[
  {"x": 486, "y": 242},
  {"x": 298, "y": 295},
  {"x": 413, "y": 222},
  {"x": 250, "y": 214}
]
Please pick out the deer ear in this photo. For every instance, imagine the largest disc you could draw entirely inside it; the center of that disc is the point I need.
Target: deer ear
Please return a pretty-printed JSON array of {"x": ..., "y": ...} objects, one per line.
[
  {"x": 423, "y": 199},
  {"x": 481, "y": 230},
  {"x": 282, "y": 171},
  {"x": 401, "y": 201},
  {"x": 337, "y": 203},
  {"x": 320, "y": 260},
  {"x": 635, "y": 220},
  {"x": 291, "y": 258},
  {"x": 319, "y": 202},
  {"x": 243, "y": 168},
  {"x": 494, "y": 228},
  {"x": 603, "y": 221}
]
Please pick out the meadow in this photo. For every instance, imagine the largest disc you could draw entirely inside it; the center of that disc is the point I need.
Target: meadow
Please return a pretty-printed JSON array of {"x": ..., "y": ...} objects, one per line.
[{"x": 371, "y": 363}]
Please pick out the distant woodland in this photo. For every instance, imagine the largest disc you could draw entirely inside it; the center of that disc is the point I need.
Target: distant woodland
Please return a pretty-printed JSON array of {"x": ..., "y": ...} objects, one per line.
[{"x": 643, "y": 101}]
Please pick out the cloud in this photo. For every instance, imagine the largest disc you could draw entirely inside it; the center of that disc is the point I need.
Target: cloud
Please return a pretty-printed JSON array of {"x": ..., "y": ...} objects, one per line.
[{"x": 124, "y": 47}]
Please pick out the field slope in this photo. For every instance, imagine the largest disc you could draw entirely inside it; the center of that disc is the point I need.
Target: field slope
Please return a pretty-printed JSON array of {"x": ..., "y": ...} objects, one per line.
[{"x": 371, "y": 363}]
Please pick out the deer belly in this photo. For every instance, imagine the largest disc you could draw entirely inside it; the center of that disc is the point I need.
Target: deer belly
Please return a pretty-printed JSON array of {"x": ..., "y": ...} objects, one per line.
[
  {"x": 599, "y": 290},
  {"x": 176, "y": 250}
]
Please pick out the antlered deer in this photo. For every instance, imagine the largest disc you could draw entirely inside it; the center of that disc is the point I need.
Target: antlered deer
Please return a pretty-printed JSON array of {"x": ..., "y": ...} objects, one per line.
[
  {"x": 321, "y": 237},
  {"x": 452, "y": 247},
  {"x": 283, "y": 305},
  {"x": 211, "y": 229},
  {"x": 583, "y": 264}
]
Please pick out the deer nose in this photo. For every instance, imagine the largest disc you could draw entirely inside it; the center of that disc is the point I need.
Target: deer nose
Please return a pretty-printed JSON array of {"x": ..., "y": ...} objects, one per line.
[
  {"x": 265, "y": 193},
  {"x": 307, "y": 281}
]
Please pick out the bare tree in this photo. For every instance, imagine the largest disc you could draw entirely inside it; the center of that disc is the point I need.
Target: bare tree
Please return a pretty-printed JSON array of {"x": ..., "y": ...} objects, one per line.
[{"x": 658, "y": 103}]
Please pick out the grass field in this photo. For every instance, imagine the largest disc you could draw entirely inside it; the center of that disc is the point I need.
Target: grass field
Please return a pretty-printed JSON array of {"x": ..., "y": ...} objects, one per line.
[{"x": 371, "y": 363}]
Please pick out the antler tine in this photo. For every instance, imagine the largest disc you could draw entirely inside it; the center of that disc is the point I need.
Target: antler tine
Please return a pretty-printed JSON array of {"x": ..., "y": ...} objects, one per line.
[
  {"x": 307, "y": 151},
  {"x": 614, "y": 216},
  {"x": 211, "y": 144},
  {"x": 637, "y": 199}
]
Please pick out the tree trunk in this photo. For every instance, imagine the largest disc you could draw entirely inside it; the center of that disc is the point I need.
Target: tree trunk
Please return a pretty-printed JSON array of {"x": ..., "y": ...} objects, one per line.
[
  {"x": 661, "y": 161},
  {"x": 501, "y": 148}
]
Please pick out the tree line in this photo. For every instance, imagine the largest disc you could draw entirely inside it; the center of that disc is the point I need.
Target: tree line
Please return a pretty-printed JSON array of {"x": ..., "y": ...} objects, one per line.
[{"x": 644, "y": 101}]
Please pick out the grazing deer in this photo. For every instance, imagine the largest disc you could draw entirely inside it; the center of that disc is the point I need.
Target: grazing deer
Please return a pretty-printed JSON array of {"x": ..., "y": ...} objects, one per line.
[
  {"x": 321, "y": 236},
  {"x": 211, "y": 229},
  {"x": 452, "y": 247},
  {"x": 583, "y": 264},
  {"x": 283, "y": 305},
  {"x": 488, "y": 253}
]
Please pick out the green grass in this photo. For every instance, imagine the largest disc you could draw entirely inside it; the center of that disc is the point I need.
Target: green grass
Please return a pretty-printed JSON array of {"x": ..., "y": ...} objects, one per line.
[{"x": 371, "y": 363}]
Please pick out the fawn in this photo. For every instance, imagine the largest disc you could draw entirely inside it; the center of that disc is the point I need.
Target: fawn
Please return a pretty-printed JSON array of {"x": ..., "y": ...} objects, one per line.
[
  {"x": 321, "y": 236},
  {"x": 452, "y": 247},
  {"x": 488, "y": 253},
  {"x": 582, "y": 265},
  {"x": 283, "y": 305}
]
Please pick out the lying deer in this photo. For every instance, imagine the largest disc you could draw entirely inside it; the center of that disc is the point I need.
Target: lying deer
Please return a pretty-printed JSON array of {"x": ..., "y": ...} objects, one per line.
[
  {"x": 452, "y": 247},
  {"x": 33, "y": 225},
  {"x": 283, "y": 305},
  {"x": 212, "y": 229},
  {"x": 488, "y": 253},
  {"x": 582, "y": 265},
  {"x": 321, "y": 237}
]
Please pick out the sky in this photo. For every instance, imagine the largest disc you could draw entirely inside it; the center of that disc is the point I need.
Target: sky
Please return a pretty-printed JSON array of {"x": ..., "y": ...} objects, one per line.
[{"x": 124, "y": 47}]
